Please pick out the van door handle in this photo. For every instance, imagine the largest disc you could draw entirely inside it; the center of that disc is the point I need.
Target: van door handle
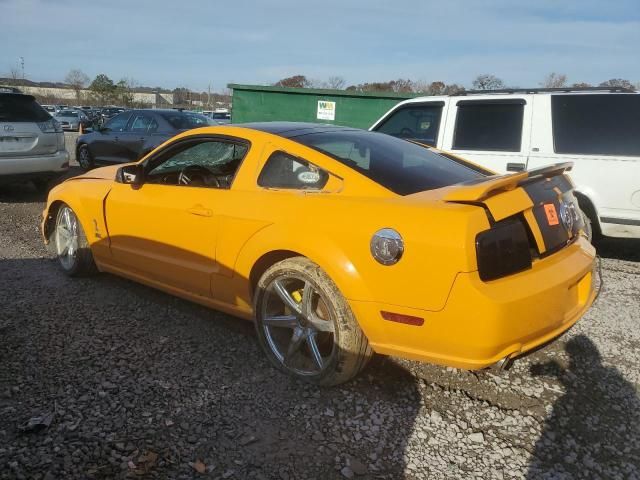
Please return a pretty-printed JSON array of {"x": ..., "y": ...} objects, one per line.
[
  {"x": 200, "y": 211},
  {"x": 515, "y": 167}
]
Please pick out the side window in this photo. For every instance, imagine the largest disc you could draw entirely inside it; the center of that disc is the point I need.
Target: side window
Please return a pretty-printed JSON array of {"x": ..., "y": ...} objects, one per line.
[
  {"x": 140, "y": 123},
  {"x": 489, "y": 125},
  {"x": 153, "y": 126},
  {"x": 286, "y": 171},
  {"x": 118, "y": 123},
  {"x": 204, "y": 164},
  {"x": 596, "y": 124},
  {"x": 420, "y": 122}
]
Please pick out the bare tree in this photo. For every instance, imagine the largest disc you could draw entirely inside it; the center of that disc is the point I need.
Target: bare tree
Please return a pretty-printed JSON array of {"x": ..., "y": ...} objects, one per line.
[
  {"x": 581, "y": 85},
  {"x": 453, "y": 89},
  {"x": 14, "y": 72},
  {"x": 77, "y": 79},
  {"x": 617, "y": 83},
  {"x": 336, "y": 83},
  {"x": 487, "y": 81},
  {"x": 554, "y": 80}
]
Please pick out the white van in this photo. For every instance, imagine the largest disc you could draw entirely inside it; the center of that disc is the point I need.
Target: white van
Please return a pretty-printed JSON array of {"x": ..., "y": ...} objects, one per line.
[{"x": 597, "y": 129}]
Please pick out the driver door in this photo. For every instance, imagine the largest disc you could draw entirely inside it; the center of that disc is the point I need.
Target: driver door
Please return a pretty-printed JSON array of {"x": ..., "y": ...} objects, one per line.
[{"x": 166, "y": 229}]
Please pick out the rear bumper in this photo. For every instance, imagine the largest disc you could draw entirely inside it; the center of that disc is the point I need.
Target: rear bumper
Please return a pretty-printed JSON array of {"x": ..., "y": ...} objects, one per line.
[
  {"x": 484, "y": 322},
  {"x": 37, "y": 165}
]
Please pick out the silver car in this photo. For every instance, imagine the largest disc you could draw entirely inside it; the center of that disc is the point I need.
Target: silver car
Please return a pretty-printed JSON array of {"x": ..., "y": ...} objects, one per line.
[
  {"x": 72, "y": 119},
  {"x": 31, "y": 141}
]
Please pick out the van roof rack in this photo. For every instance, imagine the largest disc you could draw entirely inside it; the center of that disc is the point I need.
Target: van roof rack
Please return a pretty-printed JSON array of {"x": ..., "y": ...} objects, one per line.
[{"x": 546, "y": 90}]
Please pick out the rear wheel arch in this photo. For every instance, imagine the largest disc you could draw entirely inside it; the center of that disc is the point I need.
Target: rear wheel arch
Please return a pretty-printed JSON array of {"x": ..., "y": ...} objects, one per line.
[
  {"x": 265, "y": 262},
  {"x": 588, "y": 207}
]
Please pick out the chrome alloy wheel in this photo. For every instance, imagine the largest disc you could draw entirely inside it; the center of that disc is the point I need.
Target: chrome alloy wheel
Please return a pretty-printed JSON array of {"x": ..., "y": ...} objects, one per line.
[
  {"x": 67, "y": 237},
  {"x": 298, "y": 325}
]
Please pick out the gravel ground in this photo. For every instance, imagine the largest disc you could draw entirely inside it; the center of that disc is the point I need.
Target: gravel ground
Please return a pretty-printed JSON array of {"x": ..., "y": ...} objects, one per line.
[{"x": 144, "y": 385}]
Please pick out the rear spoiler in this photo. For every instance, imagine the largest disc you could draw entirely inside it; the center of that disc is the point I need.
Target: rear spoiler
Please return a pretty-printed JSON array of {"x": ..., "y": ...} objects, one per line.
[{"x": 479, "y": 190}]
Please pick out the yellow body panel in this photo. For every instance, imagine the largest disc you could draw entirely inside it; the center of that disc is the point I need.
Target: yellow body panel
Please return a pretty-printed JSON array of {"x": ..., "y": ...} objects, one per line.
[{"x": 203, "y": 244}]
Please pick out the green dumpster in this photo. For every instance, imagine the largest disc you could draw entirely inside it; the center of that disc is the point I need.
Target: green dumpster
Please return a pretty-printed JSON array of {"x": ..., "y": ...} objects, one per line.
[{"x": 256, "y": 103}]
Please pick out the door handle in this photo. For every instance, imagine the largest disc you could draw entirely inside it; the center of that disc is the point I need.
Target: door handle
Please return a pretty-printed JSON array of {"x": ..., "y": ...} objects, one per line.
[
  {"x": 115, "y": 139},
  {"x": 515, "y": 167},
  {"x": 200, "y": 211}
]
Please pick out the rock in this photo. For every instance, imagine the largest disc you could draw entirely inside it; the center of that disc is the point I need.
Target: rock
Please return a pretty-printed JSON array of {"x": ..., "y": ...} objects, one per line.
[
  {"x": 477, "y": 437},
  {"x": 347, "y": 472},
  {"x": 357, "y": 466}
]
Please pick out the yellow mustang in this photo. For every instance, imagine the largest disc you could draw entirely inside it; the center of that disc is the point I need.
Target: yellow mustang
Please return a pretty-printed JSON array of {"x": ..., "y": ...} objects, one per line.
[{"x": 339, "y": 243}]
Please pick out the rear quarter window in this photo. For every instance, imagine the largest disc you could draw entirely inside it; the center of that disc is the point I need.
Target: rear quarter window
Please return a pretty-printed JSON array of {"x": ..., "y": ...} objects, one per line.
[
  {"x": 21, "y": 108},
  {"x": 596, "y": 124}
]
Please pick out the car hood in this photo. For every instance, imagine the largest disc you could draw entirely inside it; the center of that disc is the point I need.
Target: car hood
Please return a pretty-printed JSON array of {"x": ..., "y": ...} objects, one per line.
[{"x": 102, "y": 173}]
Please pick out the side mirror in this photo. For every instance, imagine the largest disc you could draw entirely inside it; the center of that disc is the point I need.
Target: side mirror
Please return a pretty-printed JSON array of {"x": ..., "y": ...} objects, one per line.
[
  {"x": 104, "y": 129},
  {"x": 131, "y": 174}
]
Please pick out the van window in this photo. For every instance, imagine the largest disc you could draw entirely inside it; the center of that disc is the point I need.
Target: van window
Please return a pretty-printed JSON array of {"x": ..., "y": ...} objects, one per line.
[
  {"x": 596, "y": 124},
  {"x": 415, "y": 122},
  {"x": 489, "y": 125}
]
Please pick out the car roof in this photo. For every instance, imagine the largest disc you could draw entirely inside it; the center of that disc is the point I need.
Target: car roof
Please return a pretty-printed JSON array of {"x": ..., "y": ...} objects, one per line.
[{"x": 292, "y": 129}]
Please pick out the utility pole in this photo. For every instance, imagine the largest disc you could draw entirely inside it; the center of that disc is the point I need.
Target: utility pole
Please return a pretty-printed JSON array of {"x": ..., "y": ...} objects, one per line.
[
  {"x": 22, "y": 64},
  {"x": 209, "y": 96}
]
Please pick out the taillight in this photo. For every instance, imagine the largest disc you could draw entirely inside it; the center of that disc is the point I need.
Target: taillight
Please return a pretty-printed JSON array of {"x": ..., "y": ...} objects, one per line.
[
  {"x": 503, "y": 250},
  {"x": 50, "y": 126}
]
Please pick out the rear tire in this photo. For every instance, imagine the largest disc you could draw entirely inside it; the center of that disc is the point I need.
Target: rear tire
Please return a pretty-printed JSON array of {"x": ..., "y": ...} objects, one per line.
[
  {"x": 84, "y": 157},
  {"x": 306, "y": 327},
  {"x": 71, "y": 246},
  {"x": 588, "y": 228}
]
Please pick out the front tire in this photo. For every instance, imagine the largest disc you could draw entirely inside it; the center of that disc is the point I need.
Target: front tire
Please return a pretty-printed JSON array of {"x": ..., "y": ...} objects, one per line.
[
  {"x": 85, "y": 159},
  {"x": 71, "y": 246},
  {"x": 305, "y": 325}
]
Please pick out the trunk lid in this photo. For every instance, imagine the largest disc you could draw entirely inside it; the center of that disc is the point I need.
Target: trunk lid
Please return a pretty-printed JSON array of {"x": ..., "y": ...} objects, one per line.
[{"x": 542, "y": 199}]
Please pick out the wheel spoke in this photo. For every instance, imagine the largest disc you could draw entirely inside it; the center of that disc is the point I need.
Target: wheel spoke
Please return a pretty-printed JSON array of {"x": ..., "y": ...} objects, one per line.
[
  {"x": 320, "y": 324},
  {"x": 315, "y": 352},
  {"x": 67, "y": 221},
  {"x": 306, "y": 306},
  {"x": 282, "y": 321},
  {"x": 296, "y": 341},
  {"x": 285, "y": 296}
]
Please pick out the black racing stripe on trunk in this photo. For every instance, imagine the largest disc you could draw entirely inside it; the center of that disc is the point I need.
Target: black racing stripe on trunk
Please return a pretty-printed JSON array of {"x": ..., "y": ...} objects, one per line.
[{"x": 543, "y": 192}]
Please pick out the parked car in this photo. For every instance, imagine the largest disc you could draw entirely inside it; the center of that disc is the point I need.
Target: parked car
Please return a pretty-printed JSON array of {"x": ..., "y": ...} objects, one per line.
[
  {"x": 72, "y": 119},
  {"x": 338, "y": 242},
  {"x": 108, "y": 113},
  {"x": 221, "y": 118},
  {"x": 31, "y": 141},
  {"x": 597, "y": 129},
  {"x": 132, "y": 134},
  {"x": 51, "y": 109}
]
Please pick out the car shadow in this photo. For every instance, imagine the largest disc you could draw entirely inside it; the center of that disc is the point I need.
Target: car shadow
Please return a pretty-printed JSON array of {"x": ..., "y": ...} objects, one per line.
[
  {"x": 593, "y": 430},
  {"x": 27, "y": 192},
  {"x": 618, "y": 248}
]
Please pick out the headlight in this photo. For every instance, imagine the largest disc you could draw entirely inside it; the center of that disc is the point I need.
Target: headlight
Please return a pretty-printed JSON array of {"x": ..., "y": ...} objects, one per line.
[
  {"x": 50, "y": 126},
  {"x": 387, "y": 246}
]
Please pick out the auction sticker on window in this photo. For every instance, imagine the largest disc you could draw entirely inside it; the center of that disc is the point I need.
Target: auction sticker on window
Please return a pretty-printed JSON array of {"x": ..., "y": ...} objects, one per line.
[{"x": 326, "y": 110}]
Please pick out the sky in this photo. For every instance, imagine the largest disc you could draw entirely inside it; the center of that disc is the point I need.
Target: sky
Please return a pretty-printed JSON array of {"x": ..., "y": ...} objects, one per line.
[{"x": 197, "y": 43}]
